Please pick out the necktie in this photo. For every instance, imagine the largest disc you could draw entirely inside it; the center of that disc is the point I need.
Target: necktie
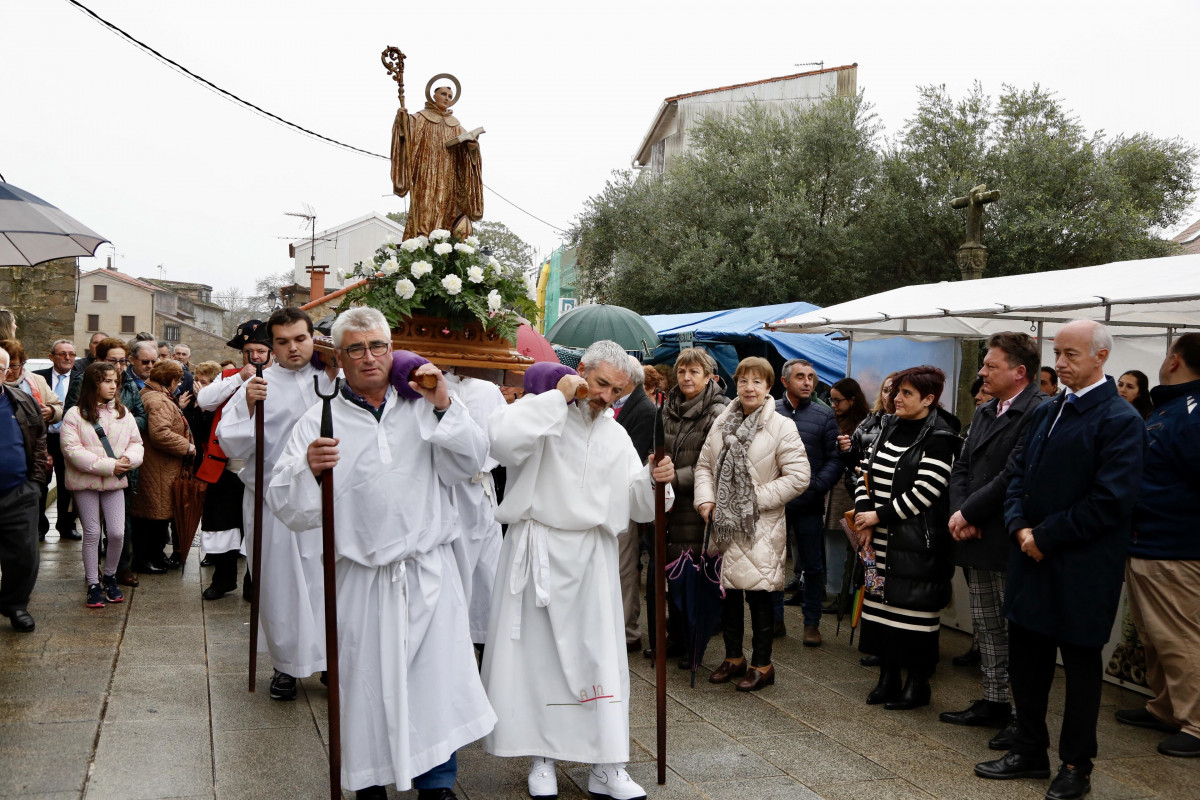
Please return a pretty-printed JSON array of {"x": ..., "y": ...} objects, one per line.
[{"x": 60, "y": 389}]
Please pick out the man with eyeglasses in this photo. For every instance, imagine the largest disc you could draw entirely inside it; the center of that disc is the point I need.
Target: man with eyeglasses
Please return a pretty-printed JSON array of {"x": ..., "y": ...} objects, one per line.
[
  {"x": 291, "y": 599},
  {"x": 221, "y": 533},
  {"x": 58, "y": 376},
  {"x": 142, "y": 356},
  {"x": 411, "y": 693}
]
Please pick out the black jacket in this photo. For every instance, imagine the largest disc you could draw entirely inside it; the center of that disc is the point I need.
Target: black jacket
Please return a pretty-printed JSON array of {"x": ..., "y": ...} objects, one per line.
[
  {"x": 980, "y": 479},
  {"x": 1165, "y": 519},
  {"x": 33, "y": 430},
  {"x": 1076, "y": 489},
  {"x": 818, "y": 429},
  {"x": 920, "y": 549},
  {"x": 637, "y": 418}
]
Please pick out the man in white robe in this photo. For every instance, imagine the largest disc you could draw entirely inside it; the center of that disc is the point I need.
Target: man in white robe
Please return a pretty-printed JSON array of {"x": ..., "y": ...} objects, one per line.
[
  {"x": 410, "y": 689},
  {"x": 476, "y": 505},
  {"x": 555, "y": 666},
  {"x": 291, "y": 602}
]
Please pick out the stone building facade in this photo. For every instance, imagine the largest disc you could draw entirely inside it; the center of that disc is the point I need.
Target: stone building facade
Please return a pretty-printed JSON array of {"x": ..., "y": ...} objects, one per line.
[{"x": 43, "y": 300}]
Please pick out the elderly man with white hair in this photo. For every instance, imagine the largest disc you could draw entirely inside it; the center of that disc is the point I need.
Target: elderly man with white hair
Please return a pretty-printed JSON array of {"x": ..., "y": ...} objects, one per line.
[
  {"x": 411, "y": 694},
  {"x": 1069, "y": 515},
  {"x": 554, "y": 667}
]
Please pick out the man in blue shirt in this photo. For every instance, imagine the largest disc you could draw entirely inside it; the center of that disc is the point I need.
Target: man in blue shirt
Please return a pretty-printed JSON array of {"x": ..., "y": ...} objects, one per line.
[{"x": 22, "y": 469}]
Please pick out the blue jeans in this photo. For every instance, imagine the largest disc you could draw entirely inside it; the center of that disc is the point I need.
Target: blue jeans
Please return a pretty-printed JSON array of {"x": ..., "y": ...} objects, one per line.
[
  {"x": 440, "y": 777},
  {"x": 807, "y": 537}
]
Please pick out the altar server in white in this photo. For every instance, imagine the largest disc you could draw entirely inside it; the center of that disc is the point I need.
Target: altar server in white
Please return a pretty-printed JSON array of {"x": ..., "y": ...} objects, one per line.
[
  {"x": 291, "y": 601},
  {"x": 411, "y": 693},
  {"x": 476, "y": 505},
  {"x": 555, "y": 666}
]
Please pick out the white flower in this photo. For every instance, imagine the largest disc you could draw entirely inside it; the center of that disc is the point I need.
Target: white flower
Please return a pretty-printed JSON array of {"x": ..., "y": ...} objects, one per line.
[
  {"x": 442, "y": 248},
  {"x": 423, "y": 240},
  {"x": 464, "y": 248},
  {"x": 389, "y": 238},
  {"x": 411, "y": 245},
  {"x": 493, "y": 263},
  {"x": 475, "y": 274},
  {"x": 439, "y": 234},
  {"x": 421, "y": 268},
  {"x": 493, "y": 300},
  {"x": 473, "y": 241},
  {"x": 389, "y": 267},
  {"x": 405, "y": 288},
  {"x": 452, "y": 284}
]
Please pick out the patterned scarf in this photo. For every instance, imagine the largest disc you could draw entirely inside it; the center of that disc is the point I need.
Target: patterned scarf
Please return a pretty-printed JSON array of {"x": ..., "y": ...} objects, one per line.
[{"x": 736, "y": 516}]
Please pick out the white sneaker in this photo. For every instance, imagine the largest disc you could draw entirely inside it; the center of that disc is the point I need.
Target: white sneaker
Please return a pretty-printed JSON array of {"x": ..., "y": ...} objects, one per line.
[
  {"x": 543, "y": 781},
  {"x": 612, "y": 781}
]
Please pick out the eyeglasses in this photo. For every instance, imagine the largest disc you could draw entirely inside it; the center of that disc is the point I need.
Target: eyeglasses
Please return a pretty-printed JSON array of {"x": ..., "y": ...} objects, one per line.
[
  {"x": 16, "y": 367},
  {"x": 837, "y": 401},
  {"x": 121, "y": 361},
  {"x": 63, "y": 355},
  {"x": 145, "y": 362},
  {"x": 357, "y": 351}
]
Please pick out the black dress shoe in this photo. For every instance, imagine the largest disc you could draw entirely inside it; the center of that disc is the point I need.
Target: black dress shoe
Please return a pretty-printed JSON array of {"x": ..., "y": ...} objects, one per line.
[
  {"x": 371, "y": 793},
  {"x": 215, "y": 592},
  {"x": 150, "y": 569},
  {"x": 1013, "y": 765},
  {"x": 793, "y": 585},
  {"x": 436, "y": 794},
  {"x": 968, "y": 659},
  {"x": 1071, "y": 783},
  {"x": 1005, "y": 739},
  {"x": 283, "y": 686},
  {"x": 70, "y": 536},
  {"x": 1181, "y": 745},
  {"x": 173, "y": 561},
  {"x": 1141, "y": 718},
  {"x": 20, "y": 620},
  {"x": 207, "y": 560},
  {"x": 981, "y": 714},
  {"x": 871, "y": 661}
]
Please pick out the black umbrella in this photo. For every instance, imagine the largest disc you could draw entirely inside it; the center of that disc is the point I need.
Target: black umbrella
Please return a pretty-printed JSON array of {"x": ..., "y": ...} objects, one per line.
[
  {"x": 33, "y": 231},
  {"x": 697, "y": 597}
]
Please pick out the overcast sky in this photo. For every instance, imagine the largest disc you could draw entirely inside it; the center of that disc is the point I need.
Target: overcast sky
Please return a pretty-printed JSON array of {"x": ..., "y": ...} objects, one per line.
[{"x": 176, "y": 175}]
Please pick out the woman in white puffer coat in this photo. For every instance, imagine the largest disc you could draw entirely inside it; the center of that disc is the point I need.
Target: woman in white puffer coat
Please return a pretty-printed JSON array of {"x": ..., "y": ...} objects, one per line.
[{"x": 752, "y": 464}]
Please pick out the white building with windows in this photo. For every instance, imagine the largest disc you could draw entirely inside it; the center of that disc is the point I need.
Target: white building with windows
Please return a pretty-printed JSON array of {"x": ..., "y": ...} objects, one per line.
[{"x": 341, "y": 247}]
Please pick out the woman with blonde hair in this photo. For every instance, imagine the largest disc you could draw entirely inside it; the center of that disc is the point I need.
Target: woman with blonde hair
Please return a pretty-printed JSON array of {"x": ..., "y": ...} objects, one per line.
[{"x": 752, "y": 464}]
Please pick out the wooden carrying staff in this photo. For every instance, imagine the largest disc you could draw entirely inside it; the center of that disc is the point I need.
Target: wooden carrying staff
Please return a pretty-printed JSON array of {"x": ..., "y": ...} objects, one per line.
[
  {"x": 256, "y": 547},
  {"x": 327, "y": 560},
  {"x": 660, "y": 598}
]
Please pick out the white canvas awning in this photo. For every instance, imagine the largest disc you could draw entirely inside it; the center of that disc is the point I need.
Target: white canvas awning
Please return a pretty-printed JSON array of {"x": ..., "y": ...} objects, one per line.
[{"x": 1155, "y": 297}]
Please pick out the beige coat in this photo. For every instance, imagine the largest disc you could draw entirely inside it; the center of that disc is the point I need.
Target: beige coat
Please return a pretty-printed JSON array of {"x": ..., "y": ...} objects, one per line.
[
  {"x": 167, "y": 441},
  {"x": 780, "y": 470}
]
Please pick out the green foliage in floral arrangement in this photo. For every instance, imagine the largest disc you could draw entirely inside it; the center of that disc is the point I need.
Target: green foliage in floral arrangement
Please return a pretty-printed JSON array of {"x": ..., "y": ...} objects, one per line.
[{"x": 443, "y": 277}]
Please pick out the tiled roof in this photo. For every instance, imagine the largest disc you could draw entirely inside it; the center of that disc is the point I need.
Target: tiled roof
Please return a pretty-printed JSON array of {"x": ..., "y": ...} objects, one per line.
[
  {"x": 112, "y": 273},
  {"x": 1189, "y": 238},
  {"x": 765, "y": 80}
]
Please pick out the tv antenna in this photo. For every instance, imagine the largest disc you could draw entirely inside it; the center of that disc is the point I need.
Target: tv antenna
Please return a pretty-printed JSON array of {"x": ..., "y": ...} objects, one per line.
[
  {"x": 309, "y": 215},
  {"x": 817, "y": 64}
]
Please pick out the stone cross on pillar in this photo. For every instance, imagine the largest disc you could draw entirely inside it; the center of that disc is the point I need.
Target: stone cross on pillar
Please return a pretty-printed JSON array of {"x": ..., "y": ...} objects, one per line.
[{"x": 972, "y": 256}]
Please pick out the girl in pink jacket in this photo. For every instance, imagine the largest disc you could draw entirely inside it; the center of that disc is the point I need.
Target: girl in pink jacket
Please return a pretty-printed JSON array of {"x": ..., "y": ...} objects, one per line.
[{"x": 100, "y": 445}]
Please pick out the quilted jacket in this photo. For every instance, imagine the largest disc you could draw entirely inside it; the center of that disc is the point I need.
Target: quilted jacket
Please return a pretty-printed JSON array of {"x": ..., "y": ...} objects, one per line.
[
  {"x": 167, "y": 442},
  {"x": 686, "y": 424},
  {"x": 88, "y": 467},
  {"x": 781, "y": 472}
]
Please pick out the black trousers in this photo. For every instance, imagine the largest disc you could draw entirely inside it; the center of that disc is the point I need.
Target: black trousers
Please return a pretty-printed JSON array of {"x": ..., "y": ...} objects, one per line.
[
  {"x": 1031, "y": 661},
  {"x": 762, "y": 625},
  {"x": 66, "y": 514},
  {"x": 19, "y": 554},
  {"x": 150, "y": 537}
]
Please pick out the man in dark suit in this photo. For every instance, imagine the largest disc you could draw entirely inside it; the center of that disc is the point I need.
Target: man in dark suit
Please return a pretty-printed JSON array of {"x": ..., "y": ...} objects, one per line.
[
  {"x": 978, "y": 483},
  {"x": 636, "y": 416},
  {"x": 1069, "y": 509},
  {"x": 62, "y": 354}
]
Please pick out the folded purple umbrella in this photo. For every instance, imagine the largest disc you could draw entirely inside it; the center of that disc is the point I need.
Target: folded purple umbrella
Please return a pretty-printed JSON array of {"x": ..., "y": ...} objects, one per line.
[
  {"x": 403, "y": 363},
  {"x": 544, "y": 376}
]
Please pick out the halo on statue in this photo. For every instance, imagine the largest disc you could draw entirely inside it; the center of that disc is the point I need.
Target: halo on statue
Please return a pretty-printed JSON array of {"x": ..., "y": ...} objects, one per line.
[{"x": 440, "y": 75}]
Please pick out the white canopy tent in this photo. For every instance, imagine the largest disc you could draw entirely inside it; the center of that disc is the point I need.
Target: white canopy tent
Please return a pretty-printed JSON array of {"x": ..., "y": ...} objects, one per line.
[{"x": 1145, "y": 303}]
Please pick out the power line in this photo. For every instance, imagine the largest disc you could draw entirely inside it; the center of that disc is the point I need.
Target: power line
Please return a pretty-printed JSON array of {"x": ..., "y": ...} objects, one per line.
[{"x": 262, "y": 111}]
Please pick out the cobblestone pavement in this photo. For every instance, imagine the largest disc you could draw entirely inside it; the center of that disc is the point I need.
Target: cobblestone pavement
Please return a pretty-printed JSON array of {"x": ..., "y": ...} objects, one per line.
[{"x": 148, "y": 699}]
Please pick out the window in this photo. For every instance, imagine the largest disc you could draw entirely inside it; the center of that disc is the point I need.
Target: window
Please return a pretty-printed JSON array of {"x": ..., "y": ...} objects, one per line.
[
  {"x": 93, "y": 322},
  {"x": 171, "y": 333},
  {"x": 128, "y": 325},
  {"x": 100, "y": 293}
]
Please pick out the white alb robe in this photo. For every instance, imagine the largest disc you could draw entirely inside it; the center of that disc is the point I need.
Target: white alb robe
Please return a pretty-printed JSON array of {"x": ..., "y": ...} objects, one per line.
[
  {"x": 410, "y": 689},
  {"x": 476, "y": 505},
  {"x": 555, "y": 666},
  {"x": 291, "y": 599}
]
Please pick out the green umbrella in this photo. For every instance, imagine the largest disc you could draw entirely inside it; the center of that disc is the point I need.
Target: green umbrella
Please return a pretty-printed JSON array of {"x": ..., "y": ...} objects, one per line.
[{"x": 585, "y": 325}]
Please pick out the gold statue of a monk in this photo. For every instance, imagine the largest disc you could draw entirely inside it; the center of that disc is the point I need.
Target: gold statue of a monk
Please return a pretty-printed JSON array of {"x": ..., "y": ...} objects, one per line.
[{"x": 438, "y": 161}]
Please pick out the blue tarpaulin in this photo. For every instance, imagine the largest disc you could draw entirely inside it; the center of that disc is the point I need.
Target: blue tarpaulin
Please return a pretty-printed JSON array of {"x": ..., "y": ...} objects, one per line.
[{"x": 736, "y": 333}]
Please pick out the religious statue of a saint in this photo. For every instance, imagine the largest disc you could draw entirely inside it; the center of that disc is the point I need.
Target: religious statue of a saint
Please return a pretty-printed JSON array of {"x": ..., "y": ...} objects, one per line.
[{"x": 437, "y": 162}]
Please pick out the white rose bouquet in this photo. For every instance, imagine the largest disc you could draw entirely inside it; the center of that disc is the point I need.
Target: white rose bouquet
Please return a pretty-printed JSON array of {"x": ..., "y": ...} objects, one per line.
[{"x": 443, "y": 277}]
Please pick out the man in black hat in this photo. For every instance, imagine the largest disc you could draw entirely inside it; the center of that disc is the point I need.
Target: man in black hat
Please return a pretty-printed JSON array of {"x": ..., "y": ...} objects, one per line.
[{"x": 221, "y": 527}]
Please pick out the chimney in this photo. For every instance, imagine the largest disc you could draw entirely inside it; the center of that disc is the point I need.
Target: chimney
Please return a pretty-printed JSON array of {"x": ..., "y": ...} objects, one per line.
[{"x": 317, "y": 282}]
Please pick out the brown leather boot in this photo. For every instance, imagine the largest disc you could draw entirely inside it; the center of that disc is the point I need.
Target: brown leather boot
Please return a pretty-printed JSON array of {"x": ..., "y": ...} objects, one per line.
[
  {"x": 727, "y": 671},
  {"x": 812, "y": 636},
  {"x": 757, "y": 678}
]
